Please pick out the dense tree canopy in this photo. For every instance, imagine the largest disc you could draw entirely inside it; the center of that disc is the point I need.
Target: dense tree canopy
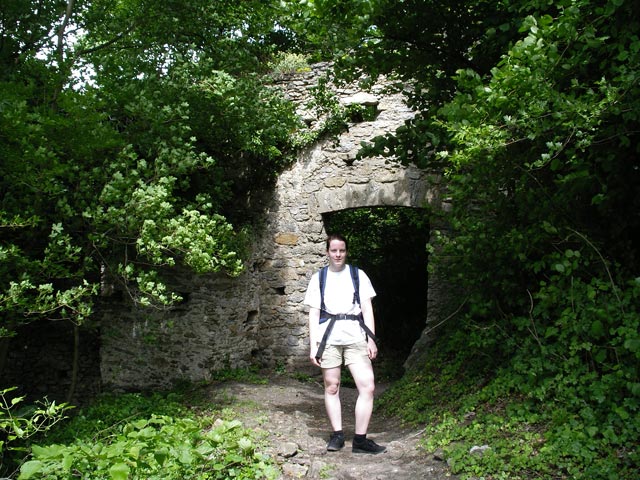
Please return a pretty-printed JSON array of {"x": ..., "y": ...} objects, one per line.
[{"x": 129, "y": 134}]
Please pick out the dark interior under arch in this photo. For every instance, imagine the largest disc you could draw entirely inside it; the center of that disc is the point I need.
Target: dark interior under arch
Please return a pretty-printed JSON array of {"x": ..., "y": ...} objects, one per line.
[{"x": 389, "y": 244}]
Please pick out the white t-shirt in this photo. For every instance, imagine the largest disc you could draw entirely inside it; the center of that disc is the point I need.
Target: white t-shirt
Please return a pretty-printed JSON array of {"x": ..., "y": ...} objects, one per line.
[{"x": 338, "y": 298}]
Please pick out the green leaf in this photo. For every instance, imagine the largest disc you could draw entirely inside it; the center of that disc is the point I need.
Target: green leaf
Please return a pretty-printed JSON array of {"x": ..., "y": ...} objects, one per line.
[
  {"x": 600, "y": 356},
  {"x": 185, "y": 455},
  {"x": 597, "y": 329},
  {"x": 245, "y": 443},
  {"x": 550, "y": 332},
  {"x": 632, "y": 344},
  {"x": 29, "y": 469},
  {"x": 47, "y": 452},
  {"x": 119, "y": 471},
  {"x": 67, "y": 462}
]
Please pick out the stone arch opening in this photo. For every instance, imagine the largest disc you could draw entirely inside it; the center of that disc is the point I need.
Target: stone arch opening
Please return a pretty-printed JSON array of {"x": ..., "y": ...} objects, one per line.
[{"x": 389, "y": 243}]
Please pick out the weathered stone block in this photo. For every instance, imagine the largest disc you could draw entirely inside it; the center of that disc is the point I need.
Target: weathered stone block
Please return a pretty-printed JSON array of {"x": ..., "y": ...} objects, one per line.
[
  {"x": 286, "y": 238},
  {"x": 332, "y": 182}
]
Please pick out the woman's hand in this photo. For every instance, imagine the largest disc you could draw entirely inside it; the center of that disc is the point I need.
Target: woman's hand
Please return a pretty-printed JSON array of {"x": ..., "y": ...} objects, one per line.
[
  {"x": 312, "y": 356},
  {"x": 372, "y": 349},
  {"x": 314, "y": 326}
]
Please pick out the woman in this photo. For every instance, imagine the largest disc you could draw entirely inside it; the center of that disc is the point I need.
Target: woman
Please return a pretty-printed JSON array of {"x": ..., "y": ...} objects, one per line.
[{"x": 350, "y": 342}]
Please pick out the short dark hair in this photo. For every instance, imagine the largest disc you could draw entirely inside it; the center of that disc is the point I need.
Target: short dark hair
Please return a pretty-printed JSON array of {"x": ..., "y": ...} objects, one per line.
[{"x": 337, "y": 236}]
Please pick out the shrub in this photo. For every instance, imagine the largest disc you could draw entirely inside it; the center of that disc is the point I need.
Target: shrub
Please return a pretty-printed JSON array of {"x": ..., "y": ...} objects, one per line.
[{"x": 157, "y": 436}]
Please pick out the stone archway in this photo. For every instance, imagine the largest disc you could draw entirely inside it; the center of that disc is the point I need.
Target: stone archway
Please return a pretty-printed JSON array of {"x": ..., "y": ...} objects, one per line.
[
  {"x": 259, "y": 317},
  {"x": 325, "y": 179}
]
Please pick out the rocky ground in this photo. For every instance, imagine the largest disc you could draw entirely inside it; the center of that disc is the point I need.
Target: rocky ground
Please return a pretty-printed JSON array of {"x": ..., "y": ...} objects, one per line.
[{"x": 292, "y": 413}]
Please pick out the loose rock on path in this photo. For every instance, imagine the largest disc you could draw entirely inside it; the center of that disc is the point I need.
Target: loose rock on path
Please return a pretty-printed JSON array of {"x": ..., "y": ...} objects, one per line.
[{"x": 292, "y": 413}]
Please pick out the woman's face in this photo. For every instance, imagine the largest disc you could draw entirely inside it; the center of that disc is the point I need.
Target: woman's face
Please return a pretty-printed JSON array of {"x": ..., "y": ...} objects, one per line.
[{"x": 337, "y": 254}]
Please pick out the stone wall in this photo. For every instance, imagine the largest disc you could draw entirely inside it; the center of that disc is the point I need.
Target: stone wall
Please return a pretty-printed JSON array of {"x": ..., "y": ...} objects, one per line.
[
  {"x": 215, "y": 327},
  {"x": 259, "y": 317}
]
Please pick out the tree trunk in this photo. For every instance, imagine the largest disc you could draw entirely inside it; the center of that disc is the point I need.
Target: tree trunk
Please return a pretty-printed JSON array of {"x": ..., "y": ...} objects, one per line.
[{"x": 76, "y": 361}]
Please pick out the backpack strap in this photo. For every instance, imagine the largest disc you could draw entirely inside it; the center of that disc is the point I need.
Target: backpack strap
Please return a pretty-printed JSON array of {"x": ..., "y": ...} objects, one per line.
[
  {"x": 332, "y": 321},
  {"x": 322, "y": 277},
  {"x": 324, "y": 316},
  {"x": 323, "y": 342},
  {"x": 355, "y": 278}
]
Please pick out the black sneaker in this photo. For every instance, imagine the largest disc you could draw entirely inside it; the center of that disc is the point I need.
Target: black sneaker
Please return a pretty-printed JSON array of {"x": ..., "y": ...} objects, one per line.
[
  {"x": 367, "y": 446},
  {"x": 336, "y": 442}
]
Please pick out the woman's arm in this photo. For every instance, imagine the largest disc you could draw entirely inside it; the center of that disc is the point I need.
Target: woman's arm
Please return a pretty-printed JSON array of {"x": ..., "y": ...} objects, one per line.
[
  {"x": 369, "y": 321},
  {"x": 314, "y": 329}
]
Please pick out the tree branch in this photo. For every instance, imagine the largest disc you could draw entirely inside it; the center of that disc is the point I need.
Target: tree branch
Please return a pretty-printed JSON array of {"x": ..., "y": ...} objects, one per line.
[
  {"x": 106, "y": 44},
  {"x": 61, "y": 30}
]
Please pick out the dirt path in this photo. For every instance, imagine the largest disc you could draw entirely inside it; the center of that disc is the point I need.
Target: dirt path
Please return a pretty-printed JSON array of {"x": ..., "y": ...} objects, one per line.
[{"x": 292, "y": 412}]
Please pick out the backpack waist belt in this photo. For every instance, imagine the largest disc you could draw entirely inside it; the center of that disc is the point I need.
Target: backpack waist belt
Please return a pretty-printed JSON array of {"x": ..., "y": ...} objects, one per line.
[
  {"x": 332, "y": 320},
  {"x": 339, "y": 316}
]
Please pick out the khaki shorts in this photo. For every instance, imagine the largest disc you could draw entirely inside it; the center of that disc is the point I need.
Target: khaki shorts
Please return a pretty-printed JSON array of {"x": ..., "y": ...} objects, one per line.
[{"x": 333, "y": 355}]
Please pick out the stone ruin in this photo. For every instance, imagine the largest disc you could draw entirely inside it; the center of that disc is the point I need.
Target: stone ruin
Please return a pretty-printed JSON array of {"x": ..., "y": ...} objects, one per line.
[{"x": 258, "y": 317}]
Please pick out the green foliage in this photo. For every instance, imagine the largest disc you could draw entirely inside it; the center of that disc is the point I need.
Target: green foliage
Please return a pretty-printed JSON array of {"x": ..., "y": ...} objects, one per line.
[
  {"x": 111, "y": 410},
  {"x": 412, "y": 40},
  {"x": 19, "y": 423},
  {"x": 154, "y": 436},
  {"x": 326, "y": 29},
  {"x": 287, "y": 63},
  {"x": 333, "y": 116},
  {"x": 564, "y": 402},
  {"x": 451, "y": 374},
  {"x": 250, "y": 375},
  {"x": 158, "y": 447},
  {"x": 133, "y": 140},
  {"x": 328, "y": 108},
  {"x": 361, "y": 113}
]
